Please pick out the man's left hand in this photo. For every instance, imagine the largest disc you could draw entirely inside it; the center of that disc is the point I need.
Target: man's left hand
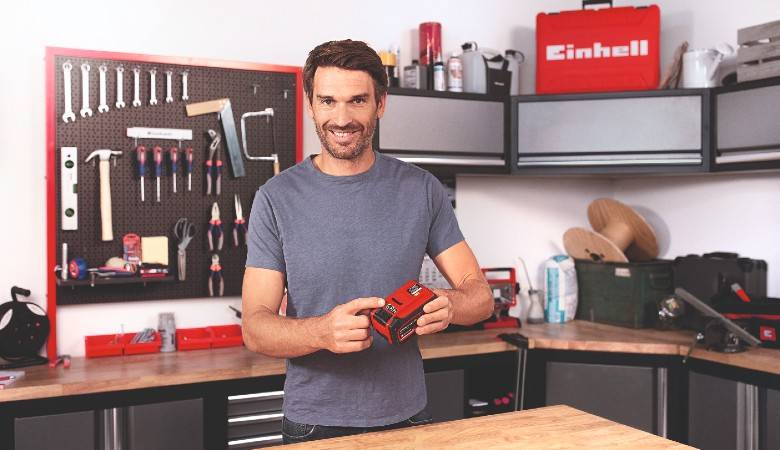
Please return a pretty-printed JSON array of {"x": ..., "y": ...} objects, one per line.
[{"x": 437, "y": 317}]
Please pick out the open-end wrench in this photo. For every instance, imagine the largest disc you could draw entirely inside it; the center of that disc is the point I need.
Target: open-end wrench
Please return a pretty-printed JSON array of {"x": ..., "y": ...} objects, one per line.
[
  {"x": 168, "y": 81},
  {"x": 136, "y": 86},
  {"x": 153, "y": 87},
  {"x": 184, "y": 76},
  {"x": 85, "y": 109},
  {"x": 103, "y": 107},
  {"x": 120, "y": 90},
  {"x": 68, "y": 114}
]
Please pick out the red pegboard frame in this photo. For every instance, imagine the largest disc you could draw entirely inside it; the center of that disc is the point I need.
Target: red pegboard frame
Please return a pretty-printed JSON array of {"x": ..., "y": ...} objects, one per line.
[{"x": 51, "y": 156}]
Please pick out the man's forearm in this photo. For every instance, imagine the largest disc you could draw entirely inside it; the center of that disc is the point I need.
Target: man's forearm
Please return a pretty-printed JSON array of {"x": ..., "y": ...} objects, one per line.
[
  {"x": 472, "y": 301},
  {"x": 279, "y": 336}
]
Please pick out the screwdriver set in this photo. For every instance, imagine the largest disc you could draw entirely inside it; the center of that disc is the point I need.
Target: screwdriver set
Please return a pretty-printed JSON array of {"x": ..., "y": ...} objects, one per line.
[{"x": 158, "y": 165}]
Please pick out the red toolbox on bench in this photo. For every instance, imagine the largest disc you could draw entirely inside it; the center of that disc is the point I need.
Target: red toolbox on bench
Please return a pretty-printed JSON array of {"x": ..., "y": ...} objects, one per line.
[{"x": 608, "y": 49}]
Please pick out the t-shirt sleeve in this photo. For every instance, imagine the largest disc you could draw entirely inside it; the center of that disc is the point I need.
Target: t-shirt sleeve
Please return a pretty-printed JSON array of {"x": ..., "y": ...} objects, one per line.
[
  {"x": 264, "y": 244},
  {"x": 444, "y": 231}
]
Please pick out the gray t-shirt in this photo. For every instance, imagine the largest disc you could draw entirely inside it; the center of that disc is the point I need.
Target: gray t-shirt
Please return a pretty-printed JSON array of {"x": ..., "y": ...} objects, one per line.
[{"x": 337, "y": 239}]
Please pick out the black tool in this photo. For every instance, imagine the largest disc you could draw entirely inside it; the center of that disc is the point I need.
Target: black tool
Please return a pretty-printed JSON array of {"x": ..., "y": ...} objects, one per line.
[{"x": 23, "y": 335}]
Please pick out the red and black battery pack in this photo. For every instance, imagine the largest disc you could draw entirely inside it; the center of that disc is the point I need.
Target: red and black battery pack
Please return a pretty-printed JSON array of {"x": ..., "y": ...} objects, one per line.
[
  {"x": 397, "y": 320},
  {"x": 598, "y": 50}
]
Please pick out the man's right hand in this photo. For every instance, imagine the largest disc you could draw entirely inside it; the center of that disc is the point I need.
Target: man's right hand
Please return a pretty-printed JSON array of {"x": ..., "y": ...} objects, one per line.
[{"x": 346, "y": 328}]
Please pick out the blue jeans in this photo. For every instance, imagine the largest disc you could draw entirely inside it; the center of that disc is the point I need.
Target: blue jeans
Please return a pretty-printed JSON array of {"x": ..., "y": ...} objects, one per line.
[{"x": 294, "y": 432}]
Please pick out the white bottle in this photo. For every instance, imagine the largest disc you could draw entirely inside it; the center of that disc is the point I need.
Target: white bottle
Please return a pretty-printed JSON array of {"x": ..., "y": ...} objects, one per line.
[
  {"x": 474, "y": 69},
  {"x": 515, "y": 58}
]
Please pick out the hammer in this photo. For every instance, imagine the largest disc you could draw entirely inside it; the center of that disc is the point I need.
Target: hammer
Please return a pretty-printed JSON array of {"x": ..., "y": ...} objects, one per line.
[{"x": 105, "y": 190}]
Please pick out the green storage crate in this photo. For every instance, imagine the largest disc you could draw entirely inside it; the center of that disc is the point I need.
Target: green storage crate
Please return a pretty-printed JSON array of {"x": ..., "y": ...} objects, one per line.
[{"x": 624, "y": 294}]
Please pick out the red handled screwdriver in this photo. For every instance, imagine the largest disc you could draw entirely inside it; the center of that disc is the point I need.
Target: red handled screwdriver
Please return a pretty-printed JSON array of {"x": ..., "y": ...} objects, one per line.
[
  {"x": 188, "y": 157},
  {"x": 140, "y": 153},
  {"x": 157, "y": 154},
  {"x": 174, "y": 153}
]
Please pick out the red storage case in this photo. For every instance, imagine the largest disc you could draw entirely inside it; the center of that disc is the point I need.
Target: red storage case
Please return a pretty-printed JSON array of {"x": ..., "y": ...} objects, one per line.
[
  {"x": 193, "y": 338},
  {"x": 103, "y": 345},
  {"x": 226, "y": 336},
  {"x": 609, "y": 49},
  {"x": 145, "y": 347}
]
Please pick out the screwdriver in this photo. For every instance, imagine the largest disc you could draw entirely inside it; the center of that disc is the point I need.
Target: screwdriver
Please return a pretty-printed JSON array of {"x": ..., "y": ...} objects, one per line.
[
  {"x": 157, "y": 153},
  {"x": 188, "y": 153},
  {"x": 140, "y": 153},
  {"x": 174, "y": 152}
]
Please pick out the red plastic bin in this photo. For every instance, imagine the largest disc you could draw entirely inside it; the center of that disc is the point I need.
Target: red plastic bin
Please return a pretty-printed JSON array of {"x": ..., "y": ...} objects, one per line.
[
  {"x": 145, "y": 347},
  {"x": 226, "y": 336},
  {"x": 193, "y": 338},
  {"x": 103, "y": 345}
]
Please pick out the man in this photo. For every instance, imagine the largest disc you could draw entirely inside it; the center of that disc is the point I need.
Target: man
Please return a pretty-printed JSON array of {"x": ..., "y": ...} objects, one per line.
[{"x": 339, "y": 231}]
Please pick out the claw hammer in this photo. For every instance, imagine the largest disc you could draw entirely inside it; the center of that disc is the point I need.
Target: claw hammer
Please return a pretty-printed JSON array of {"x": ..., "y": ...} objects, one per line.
[{"x": 104, "y": 155}]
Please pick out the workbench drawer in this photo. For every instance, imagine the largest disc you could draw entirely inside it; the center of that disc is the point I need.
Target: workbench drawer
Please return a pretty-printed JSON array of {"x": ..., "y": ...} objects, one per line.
[
  {"x": 261, "y": 402},
  {"x": 254, "y": 425},
  {"x": 255, "y": 442}
]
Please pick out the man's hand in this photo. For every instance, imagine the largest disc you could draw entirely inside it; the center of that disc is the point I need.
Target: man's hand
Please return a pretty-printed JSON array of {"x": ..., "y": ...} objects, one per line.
[
  {"x": 346, "y": 328},
  {"x": 438, "y": 314}
]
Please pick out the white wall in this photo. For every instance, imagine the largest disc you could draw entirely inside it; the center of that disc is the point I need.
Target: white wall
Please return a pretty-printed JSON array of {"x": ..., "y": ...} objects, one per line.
[{"x": 283, "y": 33}]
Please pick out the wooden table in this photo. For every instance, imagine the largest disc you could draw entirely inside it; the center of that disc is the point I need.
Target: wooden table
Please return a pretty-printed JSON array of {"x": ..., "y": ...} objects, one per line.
[{"x": 542, "y": 428}]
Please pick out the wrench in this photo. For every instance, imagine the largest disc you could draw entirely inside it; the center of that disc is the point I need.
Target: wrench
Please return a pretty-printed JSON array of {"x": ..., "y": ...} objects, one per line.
[
  {"x": 103, "y": 107},
  {"x": 66, "y": 68},
  {"x": 168, "y": 77},
  {"x": 153, "y": 88},
  {"x": 137, "y": 86},
  {"x": 85, "y": 109},
  {"x": 184, "y": 95},
  {"x": 120, "y": 103}
]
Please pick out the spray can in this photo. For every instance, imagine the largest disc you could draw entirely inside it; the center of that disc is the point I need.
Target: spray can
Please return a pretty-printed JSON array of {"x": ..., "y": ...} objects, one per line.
[{"x": 454, "y": 74}]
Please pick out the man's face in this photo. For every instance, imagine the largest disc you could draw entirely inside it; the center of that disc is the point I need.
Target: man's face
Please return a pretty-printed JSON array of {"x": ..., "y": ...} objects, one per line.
[{"x": 344, "y": 110}]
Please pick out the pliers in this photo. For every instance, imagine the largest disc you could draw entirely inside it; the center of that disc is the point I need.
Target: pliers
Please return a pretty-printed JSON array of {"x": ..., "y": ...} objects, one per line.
[
  {"x": 215, "y": 229},
  {"x": 214, "y": 166},
  {"x": 64, "y": 359},
  {"x": 215, "y": 277},
  {"x": 239, "y": 225}
]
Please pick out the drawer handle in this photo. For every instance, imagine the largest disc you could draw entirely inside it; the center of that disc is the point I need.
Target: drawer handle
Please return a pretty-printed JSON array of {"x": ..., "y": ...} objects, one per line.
[
  {"x": 257, "y": 418},
  {"x": 274, "y": 438},
  {"x": 261, "y": 395}
]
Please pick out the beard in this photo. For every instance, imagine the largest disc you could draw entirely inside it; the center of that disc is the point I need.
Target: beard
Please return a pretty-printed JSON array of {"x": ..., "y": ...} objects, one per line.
[{"x": 346, "y": 152}]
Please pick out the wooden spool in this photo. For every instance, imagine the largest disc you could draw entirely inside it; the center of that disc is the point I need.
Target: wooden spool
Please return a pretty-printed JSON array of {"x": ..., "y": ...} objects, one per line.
[{"x": 620, "y": 235}]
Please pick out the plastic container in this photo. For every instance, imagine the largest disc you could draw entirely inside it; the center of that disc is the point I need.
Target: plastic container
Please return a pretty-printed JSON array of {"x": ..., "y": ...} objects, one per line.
[
  {"x": 226, "y": 336},
  {"x": 193, "y": 338},
  {"x": 515, "y": 58},
  {"x": 103, "y": 345},
  {"x": 139, "y": 348},
  {"x": 474, "y": 69}
]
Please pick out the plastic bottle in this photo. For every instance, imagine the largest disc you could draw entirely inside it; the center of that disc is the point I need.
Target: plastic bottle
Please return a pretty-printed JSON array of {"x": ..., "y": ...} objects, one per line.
[
  {"x": 439, "y": 76},
  {"x": 474, "y": 69},
  {"x": 515, "y": 58}
]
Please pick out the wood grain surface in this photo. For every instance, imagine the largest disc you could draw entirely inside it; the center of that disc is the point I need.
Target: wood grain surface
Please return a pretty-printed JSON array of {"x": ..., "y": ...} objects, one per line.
[{"x": 556, "y": 427}]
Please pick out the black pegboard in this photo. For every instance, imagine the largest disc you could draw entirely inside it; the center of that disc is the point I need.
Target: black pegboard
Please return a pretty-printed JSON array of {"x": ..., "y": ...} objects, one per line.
[{"x": 248, "y": 90}]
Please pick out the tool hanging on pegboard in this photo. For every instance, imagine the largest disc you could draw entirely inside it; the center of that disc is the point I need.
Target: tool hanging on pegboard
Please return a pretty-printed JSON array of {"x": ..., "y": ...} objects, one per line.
[
  {"x": 225, "y": 110},
  {"x": 172, "y": 134},
  {"x": 268, "y": 113}
]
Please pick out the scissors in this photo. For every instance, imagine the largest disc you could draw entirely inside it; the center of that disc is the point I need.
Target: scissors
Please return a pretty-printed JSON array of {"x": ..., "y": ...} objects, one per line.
[{"x": 184, "y": 230}]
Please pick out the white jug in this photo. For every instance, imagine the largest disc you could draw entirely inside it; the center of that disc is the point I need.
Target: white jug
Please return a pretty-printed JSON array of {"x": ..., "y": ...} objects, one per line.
[
  {"x": 700, "y": 67},
  {"x": 474, "y": 69}
]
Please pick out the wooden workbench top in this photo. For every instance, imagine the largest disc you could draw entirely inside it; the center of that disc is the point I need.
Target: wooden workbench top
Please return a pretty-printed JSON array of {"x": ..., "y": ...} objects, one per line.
[
  {"x": 541, "y": 428},
  {"x": 87, "y": 376}
]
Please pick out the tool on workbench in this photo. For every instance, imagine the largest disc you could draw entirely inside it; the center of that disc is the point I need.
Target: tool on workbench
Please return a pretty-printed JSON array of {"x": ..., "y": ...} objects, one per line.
[
  {"x": 225, "y": 110},
  {"x": 184, "y": 230},
  {"x": 60, "y": 359},
  {"x": 216, "y": 280},
  {"x": 397, "y": 320},
  {"x": 214, "y": 165},
  {"x": 188, "y": 166},
  {"x": 174, "y": 156},
  {"x": 239, "y": 225},
  {"x": 236, "y": 311},
  {"x": 140, "y": 157},
  {"x": 157, "y": 157},
  {"x": 104, "y": 155},
  {"x": 503, "y": 284},
  {"x": 216, "y": 232},
  {"x": 268, "y": 113},
  {"x": 23, "y": 331},
  {"x": 69, "y": 198}
]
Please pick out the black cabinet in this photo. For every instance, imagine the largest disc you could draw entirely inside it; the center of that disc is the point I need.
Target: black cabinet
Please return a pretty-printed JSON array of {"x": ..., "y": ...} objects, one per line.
[
  {"x": 446, "y": 391},
  {"x": 770, "y": 426},
  {"x": 68, "y": 431},
  {"x": 176, "y": 424},
  {"x": 663, "y": 131},
  {"x": 747, "y": 136},
  {"x": 445, "y": 133}
]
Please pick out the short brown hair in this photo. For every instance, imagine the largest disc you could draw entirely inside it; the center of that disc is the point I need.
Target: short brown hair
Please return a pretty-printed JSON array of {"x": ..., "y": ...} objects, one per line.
[{"x": 349, "y": 55}]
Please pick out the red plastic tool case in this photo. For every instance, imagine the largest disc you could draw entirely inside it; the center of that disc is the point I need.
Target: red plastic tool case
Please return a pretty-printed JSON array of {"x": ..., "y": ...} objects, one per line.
[{"x": 597, "y": 50}]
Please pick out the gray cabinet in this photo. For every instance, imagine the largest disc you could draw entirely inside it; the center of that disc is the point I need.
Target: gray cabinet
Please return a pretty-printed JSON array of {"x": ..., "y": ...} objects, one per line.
[
  {"x": 255, "y": 420},
  {"x": 466, "y": 131},
  {"x": 446, "y": 391},
  {"x": 770, "y": 426},
  {"x": 69, "y": 431},
  {"x": 176, "y": 424},
  {"x": 631, "y": 395},
  {"x": 626, "y": 132}
]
